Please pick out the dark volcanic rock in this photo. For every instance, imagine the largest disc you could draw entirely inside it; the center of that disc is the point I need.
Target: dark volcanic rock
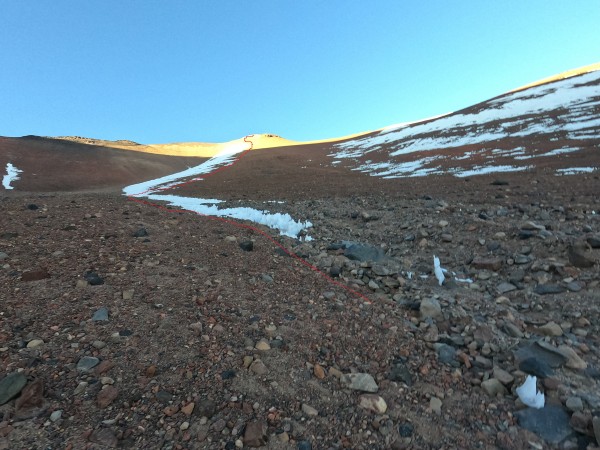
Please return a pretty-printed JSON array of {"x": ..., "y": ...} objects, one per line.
[
  {"x": 35, "y": 275},
  {"x": 247, "y": 246},
  {"x": 11, "y": 385},
  {"x": 534, "y": 366},
  {"x": 543, "y": 289},
  {"x": 551, "y": 423},
  {"x": 142, "y": 232},
  {"x": 93, "y": 278},
  {"x": 364, "y": 252}
]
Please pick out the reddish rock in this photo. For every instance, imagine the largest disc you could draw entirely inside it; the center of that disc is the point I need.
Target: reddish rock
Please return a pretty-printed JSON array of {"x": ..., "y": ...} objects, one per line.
[
  {"x": 106, "y": 396},
  {"x": 35, "y": 275},
  {"x": 255, "y": 434}
]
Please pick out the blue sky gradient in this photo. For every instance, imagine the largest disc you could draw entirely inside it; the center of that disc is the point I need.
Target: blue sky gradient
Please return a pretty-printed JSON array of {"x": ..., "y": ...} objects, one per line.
[{"x": 212, "y": 71}]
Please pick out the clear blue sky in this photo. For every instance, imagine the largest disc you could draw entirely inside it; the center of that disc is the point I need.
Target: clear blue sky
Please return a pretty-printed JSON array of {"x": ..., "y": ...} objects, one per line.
[{"x": 215, "y": 70}]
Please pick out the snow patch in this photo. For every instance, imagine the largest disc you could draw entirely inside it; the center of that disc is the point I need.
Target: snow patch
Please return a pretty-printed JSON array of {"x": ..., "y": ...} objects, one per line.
[
  {"x": 151, "y": 189},
  {"x": 12, "y": 174},
  {"x": 574, "y": 170}
]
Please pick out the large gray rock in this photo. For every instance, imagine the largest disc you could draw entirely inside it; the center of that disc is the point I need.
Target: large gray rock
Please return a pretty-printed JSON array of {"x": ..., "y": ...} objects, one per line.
[
  {"x": 363, "y": 252},
  {"x": 551, "y": 423},
  {"x": 360, "y": 382},
  {"x": 430, "y": 307},
  {"x": 11, "y": 385}
]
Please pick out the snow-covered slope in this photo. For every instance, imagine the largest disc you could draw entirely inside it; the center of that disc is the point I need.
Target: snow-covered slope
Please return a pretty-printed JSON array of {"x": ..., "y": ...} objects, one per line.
[{"x": 513, "y": 132}]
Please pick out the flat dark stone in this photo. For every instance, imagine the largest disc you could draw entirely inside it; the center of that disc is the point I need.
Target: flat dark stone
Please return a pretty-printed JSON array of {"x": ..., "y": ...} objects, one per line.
[
  {"x": 164, "y": 396},
  {"x": 363, "y": 252},
  {"x": 247, "y": 246},
  {"x": 551, "y": 358},
  {"x": 142, "y": 232},
  {"x": 406, "y": 429},
  {"x": 534, "y": 366},
  {"x": 228, "y": 374},
  {"x": 551, "y": 422},
  {"x": 93, "y": 278},
  {"x": 543, "y": 289},
  {"x": 400, "y": 372},
  {"x": 11, "y": 385}
]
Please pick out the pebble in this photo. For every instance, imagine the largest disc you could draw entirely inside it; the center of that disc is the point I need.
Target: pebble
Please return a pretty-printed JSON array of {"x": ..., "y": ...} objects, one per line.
[
  {"x": 81, "y": 387},
  {"x": 106, "y": 396},
  {"x": 263, "y": 344},
  {"x": 98, "y": 344},
  {"x": 247, "y": 246},
  {"x": 574, "y": 361},
  {"x": 258, "y": 367},
  {"x": 550, "y": 329},
  {"x": 56, "y": 415},
  {"x": 128, "y": 294},
  {"x": 503, "y": 376},
  {"x": 101, "y": 315},
  {"x": 373, "y": 403},
  {"x": 104, "y": 437},
  {"x": 493, "y": 387},
  {"x": 435, "y": 404},
  {"x": 309, "y": 410},
  {"x": 574, "y": 404},
  {"x": 360, "y": 382},
  {"x": 319, "y": 372},
  {"x": 431, "y": 308},
  {"x": 87, "y": 363},
  {"x": 304, "y": 445},
  {"x": 34, "y": 343},
  {"x": 255, "y": 434}
]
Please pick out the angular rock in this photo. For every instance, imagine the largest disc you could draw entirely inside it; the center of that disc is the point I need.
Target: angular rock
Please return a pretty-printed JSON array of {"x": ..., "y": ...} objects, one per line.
[
  {"x": 11, "y": 385},
  {"x": 247, "y": 245},
  {"x": 106, "y": 396},
  {"x": 101, "y": 315},
  {"x": 493, "y": 387},
  {"x": 574, "y": 361},
  {"x": 104, "y": 437},
  {"x": 93, "y": 278},
  {"x": 534, "y": 366},
  {"x": 544, "y": 289},
  {"x": 574, "y": 404},
  {"x": 594, "y": 242},
  {"x": 87, "y": 363},
  {"x": 364, "y": 252},
  {"x": 373, "y": 403},
  {"x": 141, "y": 232},
  {"x": 309, "y": 410},
  {"x": 430, "y": 307},
  {"x": 550, "y": 329},
  {"x": 360, "y": 382},
  {"x": 543, "y": 352},
  {"x": 503, "y": 376},
  {"x": 487, "y": 263},
  {"x": 505, "y": 287},
  {"x": 35, "y": 275},
  {"x": 255, "y": 434},
  {"x": 551, "y": 422},
  {"x": 579, "y": 255},
  {"x": 399, "y": 372}
]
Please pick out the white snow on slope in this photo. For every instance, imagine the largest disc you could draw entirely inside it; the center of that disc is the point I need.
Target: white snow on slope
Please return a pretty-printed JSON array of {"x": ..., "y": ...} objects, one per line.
[
  {"x": 12, "y": 174},
  {"x": 151, "y": 189},
  {"x": 520, "y": 114}
]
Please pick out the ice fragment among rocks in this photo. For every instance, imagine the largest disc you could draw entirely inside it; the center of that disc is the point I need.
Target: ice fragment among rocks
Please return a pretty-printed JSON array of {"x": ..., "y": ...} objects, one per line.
[
  {"x": 529, "y": 395},
  {"x": 438, "y": 270}
]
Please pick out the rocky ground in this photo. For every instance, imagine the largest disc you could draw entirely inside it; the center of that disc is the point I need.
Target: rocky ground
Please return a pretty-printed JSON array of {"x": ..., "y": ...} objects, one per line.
[{"x": 124, "y": 326}]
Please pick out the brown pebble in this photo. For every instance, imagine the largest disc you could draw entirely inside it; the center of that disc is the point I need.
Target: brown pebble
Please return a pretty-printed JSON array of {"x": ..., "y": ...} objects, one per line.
[
  {"x": 188, "y": 409},
  {"x": 171, "y": 410},
  {"x": 151, "y": 370},
  {"x": 106, "y": 396},
  {"x": 319, "y": 372}
]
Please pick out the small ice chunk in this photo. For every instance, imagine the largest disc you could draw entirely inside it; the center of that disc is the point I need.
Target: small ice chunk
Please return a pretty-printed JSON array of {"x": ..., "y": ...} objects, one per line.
[
  {"x": 529, "y": 395},
  {"x": 439, "y": 274}
]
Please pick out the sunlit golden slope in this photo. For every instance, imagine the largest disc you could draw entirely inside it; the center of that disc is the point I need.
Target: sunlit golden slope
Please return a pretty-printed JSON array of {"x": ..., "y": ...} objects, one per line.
[
  {"x": 561, "y": 76},
  {"x": 262, "y": 141}
]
